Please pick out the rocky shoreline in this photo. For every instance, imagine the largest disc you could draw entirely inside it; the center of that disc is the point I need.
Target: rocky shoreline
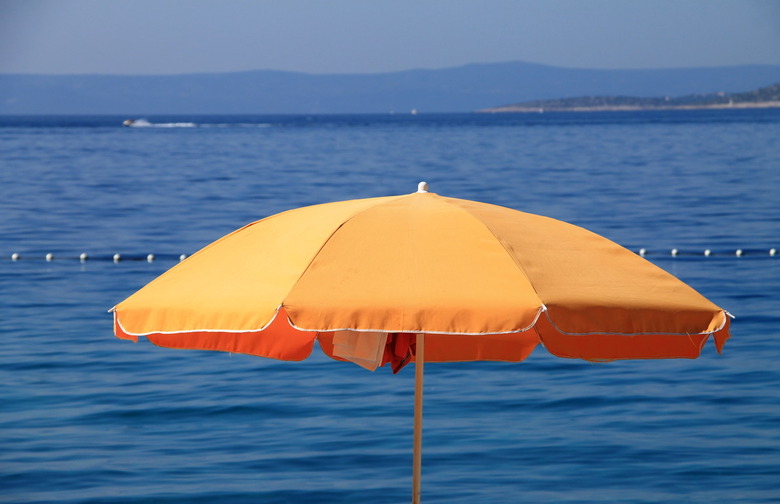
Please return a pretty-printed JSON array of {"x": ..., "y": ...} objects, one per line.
[
  {"x": 627, "y": 108},
  {"x": 766, "y": 97}
]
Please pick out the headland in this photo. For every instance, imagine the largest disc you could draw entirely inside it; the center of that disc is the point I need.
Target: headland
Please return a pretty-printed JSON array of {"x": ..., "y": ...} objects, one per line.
[{"x": 766, "y": 97}]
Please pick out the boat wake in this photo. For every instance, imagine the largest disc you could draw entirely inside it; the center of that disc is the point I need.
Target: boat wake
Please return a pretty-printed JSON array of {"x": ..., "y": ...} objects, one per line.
[{"x": 143, "y": 123}]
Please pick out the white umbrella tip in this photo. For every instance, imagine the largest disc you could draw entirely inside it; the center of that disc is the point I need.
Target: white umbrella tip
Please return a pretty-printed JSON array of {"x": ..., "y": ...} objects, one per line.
[{"x": 422, "y": 187}]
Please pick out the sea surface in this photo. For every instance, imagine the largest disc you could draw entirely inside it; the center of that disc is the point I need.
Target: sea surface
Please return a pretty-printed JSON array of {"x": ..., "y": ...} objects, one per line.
[{"x": 88, "y": 418}]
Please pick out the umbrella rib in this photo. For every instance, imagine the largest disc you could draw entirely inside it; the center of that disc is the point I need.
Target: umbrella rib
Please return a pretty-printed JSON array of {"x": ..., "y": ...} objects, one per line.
[
  {"x": 455, "y": 203},
  {"x": 324, "y": 244}
]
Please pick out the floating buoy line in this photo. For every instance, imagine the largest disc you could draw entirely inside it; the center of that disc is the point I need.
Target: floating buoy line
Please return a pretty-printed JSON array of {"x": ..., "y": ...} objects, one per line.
[
  {"x": 116, "y": 258},
  {"x": 772, "y": 252},
  {"x": 84, "y": 257}
]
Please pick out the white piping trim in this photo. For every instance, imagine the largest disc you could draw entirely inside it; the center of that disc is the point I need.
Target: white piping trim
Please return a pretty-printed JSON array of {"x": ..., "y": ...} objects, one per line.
[
  {"x": 247, "y": 331},
  {"x": 232, "y": 331},
  {"x": 542, "y": 309},
  {"x": 557, "y": 328},
  {"x": 533, "y": 323}
]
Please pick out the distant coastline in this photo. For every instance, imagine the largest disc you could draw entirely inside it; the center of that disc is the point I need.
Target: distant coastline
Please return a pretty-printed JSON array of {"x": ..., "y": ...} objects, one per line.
[
  {"x": 626, "y": 108},
  {"x": 766, "y": 97}
]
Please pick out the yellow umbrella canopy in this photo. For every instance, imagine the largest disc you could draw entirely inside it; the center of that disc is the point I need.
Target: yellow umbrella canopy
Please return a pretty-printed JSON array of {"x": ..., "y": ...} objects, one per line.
[
  {"x": 420, "y": 278},
  {"x": 483, "y": 282}
]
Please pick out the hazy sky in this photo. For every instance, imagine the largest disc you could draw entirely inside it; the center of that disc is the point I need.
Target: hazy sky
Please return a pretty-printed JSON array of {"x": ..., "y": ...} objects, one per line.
[{"x": 357, "y": 36}]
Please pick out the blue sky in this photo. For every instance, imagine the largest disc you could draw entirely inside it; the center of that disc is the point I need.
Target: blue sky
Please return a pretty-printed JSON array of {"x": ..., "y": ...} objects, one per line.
[{"x": 367, "y": 36}]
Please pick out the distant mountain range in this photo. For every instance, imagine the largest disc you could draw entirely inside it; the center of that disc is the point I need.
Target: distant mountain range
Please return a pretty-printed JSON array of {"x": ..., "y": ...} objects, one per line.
[
  {"x": 765, "y": 97},
  {"x": 460, "y": 89}
]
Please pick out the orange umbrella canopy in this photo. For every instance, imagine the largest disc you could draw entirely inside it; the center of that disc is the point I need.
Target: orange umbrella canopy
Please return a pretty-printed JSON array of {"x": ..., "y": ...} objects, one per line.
[{"x": 482, "y": 282}]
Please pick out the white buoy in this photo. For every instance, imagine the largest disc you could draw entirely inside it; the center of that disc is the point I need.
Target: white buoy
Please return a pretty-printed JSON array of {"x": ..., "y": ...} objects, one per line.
[
  {"x": 83, "y": 257},
  {"x": 49, "y": 257},
  {"x": 422, "y": 187},
  {"x": 707, "y": 253},
  {"x": 182, "y": 257},
  {"x": 739, "y": 252},
  {"x": 15, "y": 256},
  {"x": 772, "y": 252},
  {"x": 642, "y": 252},
  {"x": 117, "y": 258},
  {"x": 150, "y": 258},
  {"x": 674, "y": 252}
]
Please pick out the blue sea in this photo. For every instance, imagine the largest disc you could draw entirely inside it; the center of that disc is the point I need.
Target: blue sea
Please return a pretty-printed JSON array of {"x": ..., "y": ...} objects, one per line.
[{"x": 88, "y": 418}]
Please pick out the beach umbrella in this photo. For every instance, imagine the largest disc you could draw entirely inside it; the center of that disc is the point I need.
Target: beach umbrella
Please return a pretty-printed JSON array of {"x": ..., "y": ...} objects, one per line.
[{"x": 420, "y": 278}]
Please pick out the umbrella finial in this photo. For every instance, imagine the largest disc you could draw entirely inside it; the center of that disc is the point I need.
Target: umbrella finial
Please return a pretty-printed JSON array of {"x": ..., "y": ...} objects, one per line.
[{"x": 422, "y": 187}]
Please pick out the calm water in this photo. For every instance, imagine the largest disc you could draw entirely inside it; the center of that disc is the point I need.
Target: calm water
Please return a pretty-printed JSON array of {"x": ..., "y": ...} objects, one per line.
[{"x": 87, "y": 418}]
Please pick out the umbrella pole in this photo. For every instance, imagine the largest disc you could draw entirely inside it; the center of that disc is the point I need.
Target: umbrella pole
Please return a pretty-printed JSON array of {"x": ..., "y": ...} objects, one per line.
[{"x": 419, "y": 366}]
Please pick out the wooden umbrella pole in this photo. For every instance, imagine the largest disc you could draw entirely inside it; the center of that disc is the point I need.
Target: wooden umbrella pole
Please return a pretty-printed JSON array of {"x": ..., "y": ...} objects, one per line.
[{"x": 419, "y": 366}]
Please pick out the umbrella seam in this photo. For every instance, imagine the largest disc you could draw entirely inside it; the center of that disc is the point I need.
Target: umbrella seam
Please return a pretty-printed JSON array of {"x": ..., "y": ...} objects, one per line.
[
  {"x": 325, "y": 243},
  {"x": 454, "y": 202}
]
